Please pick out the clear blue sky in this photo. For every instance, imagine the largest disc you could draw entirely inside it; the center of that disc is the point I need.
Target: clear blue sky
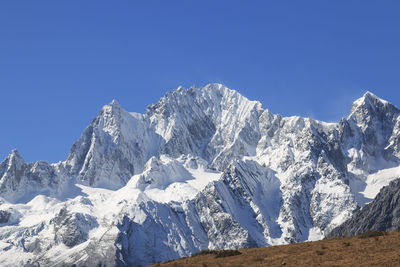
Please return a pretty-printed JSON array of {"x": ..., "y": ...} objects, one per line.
[{"x": 61, "y": 61}]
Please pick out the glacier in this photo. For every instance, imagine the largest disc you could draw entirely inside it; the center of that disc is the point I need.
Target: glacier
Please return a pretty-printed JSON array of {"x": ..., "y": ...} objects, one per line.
[{"x": 203, "y": 168}]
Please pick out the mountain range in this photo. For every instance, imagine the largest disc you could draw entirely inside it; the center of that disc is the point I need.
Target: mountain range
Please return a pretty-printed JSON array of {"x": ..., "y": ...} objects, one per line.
[{"x": 203, "y": 168}]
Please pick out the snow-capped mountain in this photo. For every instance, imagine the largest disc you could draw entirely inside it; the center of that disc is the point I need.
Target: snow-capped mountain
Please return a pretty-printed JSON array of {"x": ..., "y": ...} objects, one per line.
[{"x": 202, "y": 168}]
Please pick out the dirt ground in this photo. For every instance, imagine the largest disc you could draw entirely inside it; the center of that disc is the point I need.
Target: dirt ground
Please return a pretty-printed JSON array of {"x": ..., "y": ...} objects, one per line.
[{"x": 373, "y": 249}]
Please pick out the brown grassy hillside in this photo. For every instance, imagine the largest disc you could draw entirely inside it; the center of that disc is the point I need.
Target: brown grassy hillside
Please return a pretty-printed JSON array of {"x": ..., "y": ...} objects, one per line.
[{"x": 373, "y": 249}]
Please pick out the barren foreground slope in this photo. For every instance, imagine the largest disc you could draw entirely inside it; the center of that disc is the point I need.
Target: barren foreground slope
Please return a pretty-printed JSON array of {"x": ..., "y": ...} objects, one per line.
[{"x": 372, "y": 249}]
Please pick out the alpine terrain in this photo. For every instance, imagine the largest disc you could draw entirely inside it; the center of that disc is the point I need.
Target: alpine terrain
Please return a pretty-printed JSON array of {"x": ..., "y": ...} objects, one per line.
[
  {"x": 382, "y": 214},
  {"x": 204, "y": 168}
]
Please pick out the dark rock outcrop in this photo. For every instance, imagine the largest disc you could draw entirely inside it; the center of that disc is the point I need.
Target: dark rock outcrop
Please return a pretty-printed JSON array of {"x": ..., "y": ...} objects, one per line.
[
  {"x": 4, "y": 216},
  {"x": 382, "y": 214}
]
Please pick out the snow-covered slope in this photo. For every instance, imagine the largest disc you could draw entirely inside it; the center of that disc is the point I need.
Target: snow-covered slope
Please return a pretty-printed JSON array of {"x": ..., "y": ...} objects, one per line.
[{"x": 202, "y": 168}]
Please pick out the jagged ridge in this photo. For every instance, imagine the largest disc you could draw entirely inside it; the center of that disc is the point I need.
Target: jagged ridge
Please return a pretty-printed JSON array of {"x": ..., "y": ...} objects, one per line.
[{"x": 202, "y": 168}]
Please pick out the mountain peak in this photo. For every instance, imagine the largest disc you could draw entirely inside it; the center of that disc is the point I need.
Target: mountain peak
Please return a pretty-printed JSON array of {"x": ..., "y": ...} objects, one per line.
[
  {"x": 211, "y": 87},
  {"x": 14, "y": 158},
  {"x": 369, "y": 98},
  {"x": 180, "y": 88},
  {"x": 369, "y": 94},
  {"x": 114, "y": 103},
  {"x": 111, "y": 109},
  {"x": 14, "y": 152},
  {"x": 14, "y": 155},
  {"x": 214, "y": 94},
  {"x": 369, "y": 102},
  {"x": 215, "y": 86}
]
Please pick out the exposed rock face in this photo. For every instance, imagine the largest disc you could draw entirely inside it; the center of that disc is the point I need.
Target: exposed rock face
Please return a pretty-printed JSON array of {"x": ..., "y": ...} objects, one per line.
[
  {"x": 4, "y": 216},
  {"x": 19, "y": 179},
  {"x": 382, "y": 214},
  {"x": 204, "y": 168},
  {"x": 72, "y": 229},
  {"x": 112, "y": 149}
]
